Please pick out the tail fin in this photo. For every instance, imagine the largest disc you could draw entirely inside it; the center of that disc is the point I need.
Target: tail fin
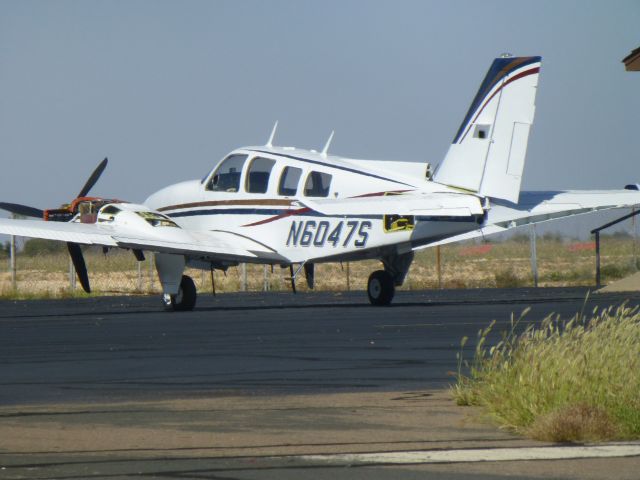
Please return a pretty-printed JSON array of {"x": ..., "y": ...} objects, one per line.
[{"x": 488, "y": 152}]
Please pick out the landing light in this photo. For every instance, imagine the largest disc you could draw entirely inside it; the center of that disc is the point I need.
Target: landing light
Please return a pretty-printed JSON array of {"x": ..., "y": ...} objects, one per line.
[{"x": 157, "y": 220}]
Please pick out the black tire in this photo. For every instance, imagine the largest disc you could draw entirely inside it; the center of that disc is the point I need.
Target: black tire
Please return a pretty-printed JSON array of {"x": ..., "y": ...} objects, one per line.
[
  {"x": 185, "y": 299},
  {"x": 380, "y": 288}
]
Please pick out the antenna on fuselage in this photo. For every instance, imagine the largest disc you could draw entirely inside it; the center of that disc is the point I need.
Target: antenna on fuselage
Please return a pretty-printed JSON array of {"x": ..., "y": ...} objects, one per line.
[
  {"x": 273, "y": 134},
  {"x": 326, "y": 145}
]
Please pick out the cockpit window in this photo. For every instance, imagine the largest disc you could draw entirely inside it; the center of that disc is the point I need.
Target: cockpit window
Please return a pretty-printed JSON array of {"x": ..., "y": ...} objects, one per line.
[
  {"x": 258, "y": 175},
  {"x": 317, "y": 184},
  {"x": 227, "y": 177},
  {"x": 289, "y": 181}
]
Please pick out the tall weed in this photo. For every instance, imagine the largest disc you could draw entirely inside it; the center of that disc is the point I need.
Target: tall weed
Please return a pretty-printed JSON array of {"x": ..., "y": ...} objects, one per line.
[{"x": 548, "y": 380}]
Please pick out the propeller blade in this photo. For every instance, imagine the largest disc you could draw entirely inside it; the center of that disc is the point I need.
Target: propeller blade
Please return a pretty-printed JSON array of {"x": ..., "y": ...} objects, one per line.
[
  {"x": 93, "y": 178},
  {"x": 139, "y": 255},
  {"x": 22, "y": 209},
  {"x": 78, "y": 263}
]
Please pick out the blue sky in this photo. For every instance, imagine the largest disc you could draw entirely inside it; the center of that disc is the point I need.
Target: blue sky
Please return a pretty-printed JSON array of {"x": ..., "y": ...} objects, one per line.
[{"x": 165, "y": 89}]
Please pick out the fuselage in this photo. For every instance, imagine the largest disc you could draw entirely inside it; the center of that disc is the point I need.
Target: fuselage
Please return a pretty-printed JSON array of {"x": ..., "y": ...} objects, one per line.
[{"x": 260, "y": 193}]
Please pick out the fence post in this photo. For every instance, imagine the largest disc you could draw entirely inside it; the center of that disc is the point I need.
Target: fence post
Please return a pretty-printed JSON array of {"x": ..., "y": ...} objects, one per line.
[
  {"x": 597, "y": 259},
  {"x": 635, "y": 239},
  {"x": 151, "y": 259},
  {"x": 12, "y": 262},
  {"x": 243, "y": 275},
  {"x": 348, "y": 277},
  {"x": 534, "y": 254},
  {"x": 139, "y": 265},
  {"x": 439, "y": 266},
  {"x": 265, "y": 284},
  {"x": 72, "y": 275}
]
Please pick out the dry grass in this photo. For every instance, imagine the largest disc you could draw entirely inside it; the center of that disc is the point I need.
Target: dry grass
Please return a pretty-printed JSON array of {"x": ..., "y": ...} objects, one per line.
[
  {"x": 574, "y": 423},
  {"x": 563, "y": 380}
]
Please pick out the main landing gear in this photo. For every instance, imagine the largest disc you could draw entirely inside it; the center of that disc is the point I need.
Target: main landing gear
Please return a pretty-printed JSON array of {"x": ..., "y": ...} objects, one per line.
[
  {"x": 380, "y": 288},
  {"x": 185, "y": 299},
  {"x": 382, "y": 283},
  {"x": 180, "y": 290}
]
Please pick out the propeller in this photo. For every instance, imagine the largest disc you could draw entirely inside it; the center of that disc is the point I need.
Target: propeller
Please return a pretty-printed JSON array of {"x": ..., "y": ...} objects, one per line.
[
  {"x": 74, "y": 249},
  {"x": 79, "y": 264},
  {"x": 93, "y": 178},
  {"x": 27, "y": 211},
  {"x": 23, "y": 210}
]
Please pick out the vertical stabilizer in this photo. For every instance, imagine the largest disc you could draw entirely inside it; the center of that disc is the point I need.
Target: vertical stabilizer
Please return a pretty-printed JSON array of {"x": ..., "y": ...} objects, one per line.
[{"x": 488, "y": 152}]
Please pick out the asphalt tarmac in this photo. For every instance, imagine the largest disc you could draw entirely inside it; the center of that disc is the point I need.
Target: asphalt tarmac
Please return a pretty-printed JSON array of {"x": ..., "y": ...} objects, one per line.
[
  {"x": 123, "y": 348},
  {"x": 58, "y": 356}
]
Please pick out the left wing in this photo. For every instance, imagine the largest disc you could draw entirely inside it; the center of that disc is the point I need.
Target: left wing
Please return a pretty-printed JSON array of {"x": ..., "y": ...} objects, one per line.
[{"x": 139, "y": 234}]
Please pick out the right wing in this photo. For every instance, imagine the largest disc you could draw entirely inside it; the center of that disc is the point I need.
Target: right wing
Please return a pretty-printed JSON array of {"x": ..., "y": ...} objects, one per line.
[
  {"x": 538, "y": 207},
  {"x": 437, "y": 204}
]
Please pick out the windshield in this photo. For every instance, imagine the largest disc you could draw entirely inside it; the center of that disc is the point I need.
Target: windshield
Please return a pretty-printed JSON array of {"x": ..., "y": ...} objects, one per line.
[{"x": 227, "y": 176}]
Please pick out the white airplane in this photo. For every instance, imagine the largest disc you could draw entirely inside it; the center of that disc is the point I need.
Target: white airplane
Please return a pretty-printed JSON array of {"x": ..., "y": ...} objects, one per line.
[{"x": 295, "y": 208}]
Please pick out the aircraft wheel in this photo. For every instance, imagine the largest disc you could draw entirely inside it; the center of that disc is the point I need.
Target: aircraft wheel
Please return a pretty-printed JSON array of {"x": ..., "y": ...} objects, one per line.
[
  {"x": 380, "y": 288},
  {"x": 185, "y": 299}
]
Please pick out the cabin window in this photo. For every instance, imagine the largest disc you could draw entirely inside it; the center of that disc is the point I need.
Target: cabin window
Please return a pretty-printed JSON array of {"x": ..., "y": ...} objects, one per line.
[
  {"x": 227, "y": 177},
  {"x": 258, "y": 175},
  {"x": 317, "y": 184},
  {"x": 289, "y": 181}
]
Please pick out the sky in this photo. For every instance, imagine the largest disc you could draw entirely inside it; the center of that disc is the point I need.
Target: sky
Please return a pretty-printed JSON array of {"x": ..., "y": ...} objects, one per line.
[{"x": 165, "y": 89}]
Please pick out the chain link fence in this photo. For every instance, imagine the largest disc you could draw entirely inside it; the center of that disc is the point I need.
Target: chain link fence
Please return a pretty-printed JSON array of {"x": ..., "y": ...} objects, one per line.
[{"x": 48, "y": 272}]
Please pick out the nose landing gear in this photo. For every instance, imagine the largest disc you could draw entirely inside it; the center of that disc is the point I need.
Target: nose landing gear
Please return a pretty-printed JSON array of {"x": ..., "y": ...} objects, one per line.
[{"x": 185, "y": 299}]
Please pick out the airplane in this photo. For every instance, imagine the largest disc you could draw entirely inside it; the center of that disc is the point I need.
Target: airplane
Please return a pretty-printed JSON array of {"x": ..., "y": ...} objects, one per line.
[{"x": 294, "y": 208}]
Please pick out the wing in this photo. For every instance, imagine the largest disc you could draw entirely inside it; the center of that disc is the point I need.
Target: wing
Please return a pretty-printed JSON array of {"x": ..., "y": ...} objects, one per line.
[
  {"x": 538, "y": 207},
  {"x": 418, "y": 204},
  {"x": 218, "y": 245}
]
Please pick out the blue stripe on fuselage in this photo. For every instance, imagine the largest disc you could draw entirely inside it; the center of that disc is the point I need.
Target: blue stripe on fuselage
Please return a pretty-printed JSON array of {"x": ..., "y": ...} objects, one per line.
[
  {"x": 272, "y": 212},
  {"x": 258, "y": 211}
]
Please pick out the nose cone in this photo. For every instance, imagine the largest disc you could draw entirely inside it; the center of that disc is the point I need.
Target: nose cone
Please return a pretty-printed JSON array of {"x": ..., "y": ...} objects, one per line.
[{"x": 176, "y": 194}]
